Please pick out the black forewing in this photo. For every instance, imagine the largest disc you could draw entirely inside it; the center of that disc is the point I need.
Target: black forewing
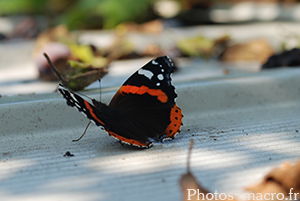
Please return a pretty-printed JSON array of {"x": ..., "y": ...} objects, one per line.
[{"x": 143, "y": 116}]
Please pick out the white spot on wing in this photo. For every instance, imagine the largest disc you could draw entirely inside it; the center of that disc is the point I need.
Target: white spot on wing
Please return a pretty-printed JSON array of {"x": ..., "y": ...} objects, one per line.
[
  {"x": 160, "y": 76},
  {"x": 158, "y": 84},
  {"x": 154, "y": 62},
  {"x": 73, "y": 97},
  {"x": 77, "y": 105},
  {"x": 146, "y": 73}
]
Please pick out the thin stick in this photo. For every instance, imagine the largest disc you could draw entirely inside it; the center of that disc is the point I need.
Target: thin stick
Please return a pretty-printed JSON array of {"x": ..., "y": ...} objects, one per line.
[
  {"x": 53, "y": 67},
  {"x": 83, "y": 133},
  {"x": 189, "y": 155}
]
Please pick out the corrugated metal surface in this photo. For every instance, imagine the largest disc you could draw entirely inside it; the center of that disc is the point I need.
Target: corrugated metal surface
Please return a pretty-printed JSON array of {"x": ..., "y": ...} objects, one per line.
[{"x": 242, "y": 127}]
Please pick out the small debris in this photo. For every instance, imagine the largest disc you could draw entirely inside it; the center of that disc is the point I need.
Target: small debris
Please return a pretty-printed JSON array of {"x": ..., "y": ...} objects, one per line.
[{"x": 68, "y": 154}]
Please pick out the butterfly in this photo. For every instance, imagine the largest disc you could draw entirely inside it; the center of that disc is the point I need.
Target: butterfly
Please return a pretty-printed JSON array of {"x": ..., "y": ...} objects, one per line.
[{"x": 141, "y": 111}]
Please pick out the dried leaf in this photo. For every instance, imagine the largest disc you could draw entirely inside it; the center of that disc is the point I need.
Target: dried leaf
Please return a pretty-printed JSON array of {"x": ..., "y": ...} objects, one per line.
[
  {"x": 190, "y": 188},
  {"x": 255, "y": 50},
  {"x": 151, "y": 27},
  {"x": 78, "y": 82},
  {"x": 78, "y": 77},
  {"x": 281, "y": 181}
]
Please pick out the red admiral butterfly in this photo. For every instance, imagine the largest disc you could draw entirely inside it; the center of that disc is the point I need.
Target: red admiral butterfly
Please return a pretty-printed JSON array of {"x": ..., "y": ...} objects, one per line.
[{"x": 143, "y": 108}]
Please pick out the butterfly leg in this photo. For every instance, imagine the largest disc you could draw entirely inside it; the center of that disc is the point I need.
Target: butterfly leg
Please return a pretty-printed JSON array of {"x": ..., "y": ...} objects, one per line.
[{"x": 83, "y": 133}]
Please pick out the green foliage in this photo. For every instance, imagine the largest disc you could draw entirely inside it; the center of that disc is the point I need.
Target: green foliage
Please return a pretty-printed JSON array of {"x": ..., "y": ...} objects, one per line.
[
  {"x": 81, "y": 13},
  {"x": 117, "y": 11},
  {"x": 8, "y": 7}
]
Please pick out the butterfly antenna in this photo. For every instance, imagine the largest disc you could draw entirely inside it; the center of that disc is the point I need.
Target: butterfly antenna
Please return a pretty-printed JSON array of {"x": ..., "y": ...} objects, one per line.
[
  {"x": 53, "y": 67},
  {"x": 81, "y": 94},
  {"x": 82, "y": 133},
  {"x": 76, "y": 92},
  {"x": 189, "y": 155}
]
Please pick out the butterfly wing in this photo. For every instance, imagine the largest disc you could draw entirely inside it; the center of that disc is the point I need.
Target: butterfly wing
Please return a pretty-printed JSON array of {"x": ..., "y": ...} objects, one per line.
[
  {"x": 101, "y": 115},
  {"x": 146, "y": 103},
  {"x": 74, "y": 100},
  {"x": 152, "y": 79},
  {"x": 144, "y": 107}
]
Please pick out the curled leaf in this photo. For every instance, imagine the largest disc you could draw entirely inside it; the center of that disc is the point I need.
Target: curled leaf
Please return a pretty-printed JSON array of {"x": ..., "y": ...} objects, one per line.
[
  {"x": 283, "y": 181},
  {"x": 78, "y": 76}
]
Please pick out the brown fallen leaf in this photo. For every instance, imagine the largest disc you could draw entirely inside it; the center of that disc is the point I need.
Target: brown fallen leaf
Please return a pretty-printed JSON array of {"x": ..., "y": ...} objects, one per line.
[
  {"x": 123, "y": 47},
  {"x": 282, "y": 183},
  {"x": 78, "y": 75},
  {"x": 151, "y": 27},
  {"x": 255, "y": 50},
  {"x": 153, "y": 50}
]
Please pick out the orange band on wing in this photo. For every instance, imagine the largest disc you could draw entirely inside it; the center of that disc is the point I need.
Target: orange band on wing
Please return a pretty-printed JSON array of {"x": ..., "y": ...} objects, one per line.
[
  {"x": 87, "y": 105},
  {"x": 130, "y": 141},
  {"x": 176, "y": 122},
  {"x": 161, "y": 96}
]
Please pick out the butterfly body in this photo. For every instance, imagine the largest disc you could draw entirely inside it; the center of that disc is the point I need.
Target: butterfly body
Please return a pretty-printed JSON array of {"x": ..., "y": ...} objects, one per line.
[{"x": 143, "y": 108}]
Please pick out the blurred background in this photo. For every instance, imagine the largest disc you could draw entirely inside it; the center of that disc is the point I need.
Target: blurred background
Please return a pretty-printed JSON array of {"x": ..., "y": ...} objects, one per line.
[
  {"x": 88, "y": 40},
  {"x": 107, "y": 14}
]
